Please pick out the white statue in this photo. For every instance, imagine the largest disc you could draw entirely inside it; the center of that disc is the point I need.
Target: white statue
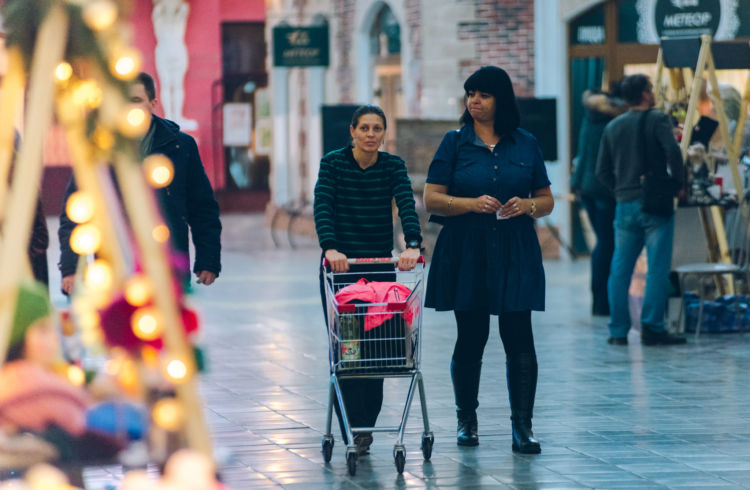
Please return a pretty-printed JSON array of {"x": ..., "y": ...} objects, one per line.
[{"x": 170, "y": 20}]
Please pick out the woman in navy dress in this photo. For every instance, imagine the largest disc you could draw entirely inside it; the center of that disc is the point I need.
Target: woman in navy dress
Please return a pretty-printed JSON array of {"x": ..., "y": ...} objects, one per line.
[{"x": 489, "y": 182}]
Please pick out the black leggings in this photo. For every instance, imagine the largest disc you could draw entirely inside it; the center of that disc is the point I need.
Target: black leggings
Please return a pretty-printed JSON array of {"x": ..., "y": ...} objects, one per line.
[
  {"x": 363, "y": 397},
  {"x": 474, "y": 330}
]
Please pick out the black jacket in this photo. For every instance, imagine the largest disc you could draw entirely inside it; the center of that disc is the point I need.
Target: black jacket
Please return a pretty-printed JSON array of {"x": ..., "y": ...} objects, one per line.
[{"x": 188, "y": 201}]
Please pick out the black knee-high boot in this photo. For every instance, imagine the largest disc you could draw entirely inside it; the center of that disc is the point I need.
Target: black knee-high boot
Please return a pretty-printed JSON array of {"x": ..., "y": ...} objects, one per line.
[
  {"x": 465, "y": 378},
  {"x": 521, "y": 372}
]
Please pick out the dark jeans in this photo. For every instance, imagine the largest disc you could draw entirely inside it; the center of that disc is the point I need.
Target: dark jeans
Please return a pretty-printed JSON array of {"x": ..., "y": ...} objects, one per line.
[
  {"x": 363, "y": 398},
  {"x": 601, "y": 213},
  {"x": 474, "y": 330}
]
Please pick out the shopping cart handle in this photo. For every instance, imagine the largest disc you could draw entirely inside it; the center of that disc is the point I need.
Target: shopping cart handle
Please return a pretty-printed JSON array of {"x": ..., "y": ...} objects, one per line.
[{"x": 374, "y": 260}]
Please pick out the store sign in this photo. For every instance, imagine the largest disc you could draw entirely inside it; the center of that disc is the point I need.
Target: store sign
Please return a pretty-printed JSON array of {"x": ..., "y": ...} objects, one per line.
[
  {"x": 300, "y": 46},
  {"x": 687, "y": 18},
  {"x": 589, "y": 27}
]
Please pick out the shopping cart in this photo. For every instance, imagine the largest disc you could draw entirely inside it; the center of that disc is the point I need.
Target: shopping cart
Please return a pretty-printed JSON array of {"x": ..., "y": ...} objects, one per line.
[{"x": 391, "y": 349}]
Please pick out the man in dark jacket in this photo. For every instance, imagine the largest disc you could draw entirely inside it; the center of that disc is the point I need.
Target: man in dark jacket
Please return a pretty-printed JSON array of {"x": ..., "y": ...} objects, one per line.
[
  {"x": 188, "y": 201},
  {"x": 639, "y": 134},
  {"x": 597, "y": 200}
]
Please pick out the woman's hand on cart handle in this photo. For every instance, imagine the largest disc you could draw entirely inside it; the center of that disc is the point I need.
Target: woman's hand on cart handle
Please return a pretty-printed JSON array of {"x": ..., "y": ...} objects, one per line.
[
  {"x": 337, "y": 260},
  {"x": 407, "y": 260}
]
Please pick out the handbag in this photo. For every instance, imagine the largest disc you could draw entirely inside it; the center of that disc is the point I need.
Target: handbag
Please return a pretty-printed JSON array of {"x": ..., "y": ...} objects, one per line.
[
  {"x": 658, "y": 188},
  {"x": 436, "y": 218}
]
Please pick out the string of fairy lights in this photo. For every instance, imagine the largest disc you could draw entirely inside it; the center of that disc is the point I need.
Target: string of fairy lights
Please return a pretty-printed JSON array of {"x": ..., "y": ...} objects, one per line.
[{"x": 91, "y": 89}]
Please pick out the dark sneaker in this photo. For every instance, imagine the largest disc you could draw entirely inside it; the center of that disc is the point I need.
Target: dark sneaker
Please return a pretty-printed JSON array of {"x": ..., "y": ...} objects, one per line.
[
  {"x": 363, "y": 442},
  {"x": 649, "y": 337},
  {"x": 617, "y": 341}
]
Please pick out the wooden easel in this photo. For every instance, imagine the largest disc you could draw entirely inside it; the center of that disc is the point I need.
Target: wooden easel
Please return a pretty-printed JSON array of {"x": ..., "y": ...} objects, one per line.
[
  {"x": 17, "y": 211},
  {"x": 687, "y": 60}
]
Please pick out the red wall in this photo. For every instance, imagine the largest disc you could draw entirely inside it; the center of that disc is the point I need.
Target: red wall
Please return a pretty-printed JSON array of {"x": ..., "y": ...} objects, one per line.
[
  {"x": 203, "y": 41},
  {"x": 243, "y": 10}
]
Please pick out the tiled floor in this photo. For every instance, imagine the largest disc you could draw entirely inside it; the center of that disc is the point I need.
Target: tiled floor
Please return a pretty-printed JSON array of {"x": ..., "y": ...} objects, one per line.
[{"x": 607, "y": 416}]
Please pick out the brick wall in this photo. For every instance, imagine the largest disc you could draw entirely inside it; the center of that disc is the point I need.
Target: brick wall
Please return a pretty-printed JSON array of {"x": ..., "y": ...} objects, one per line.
[
  {"x": 418, "y": 140},
  {"x": 414, "y": 21},
  {"x": 504, "y": 36},
  {"x": 343, "y": 17}
]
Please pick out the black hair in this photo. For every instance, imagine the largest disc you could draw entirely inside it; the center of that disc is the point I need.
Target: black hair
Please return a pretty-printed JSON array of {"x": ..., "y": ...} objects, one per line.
[
  {"x": 615, "y": 89},
  {"x": 495, "y": 81},
  {"x": 148, "y": 84},
  {"x": 633, "y": 86},
  {"x": 367, "y": 109}
]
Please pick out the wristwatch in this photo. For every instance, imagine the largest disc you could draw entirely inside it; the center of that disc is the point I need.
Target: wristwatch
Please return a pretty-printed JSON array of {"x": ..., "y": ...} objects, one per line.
[{"x": 413, "y": 244}]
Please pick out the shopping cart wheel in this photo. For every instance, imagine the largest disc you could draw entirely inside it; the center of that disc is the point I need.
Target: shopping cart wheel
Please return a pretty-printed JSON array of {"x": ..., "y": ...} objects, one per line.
[
  {"x": 327, "y": 448},
  {"x": 351, "y": 462},
  {"x": 427, "y": 441},
  {"x": 399, "y": 457}
]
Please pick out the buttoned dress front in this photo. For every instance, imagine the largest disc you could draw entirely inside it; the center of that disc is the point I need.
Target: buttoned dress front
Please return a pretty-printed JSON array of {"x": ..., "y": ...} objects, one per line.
[{"x": 480, "y": 262}]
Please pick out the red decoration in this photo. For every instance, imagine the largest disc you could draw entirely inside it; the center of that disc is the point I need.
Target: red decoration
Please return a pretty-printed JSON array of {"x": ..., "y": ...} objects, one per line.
[{"x": 118, "y": 331}]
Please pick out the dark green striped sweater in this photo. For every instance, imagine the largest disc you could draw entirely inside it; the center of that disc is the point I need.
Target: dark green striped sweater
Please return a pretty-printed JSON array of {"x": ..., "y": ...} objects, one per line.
[{"x": 353, "y": 206}]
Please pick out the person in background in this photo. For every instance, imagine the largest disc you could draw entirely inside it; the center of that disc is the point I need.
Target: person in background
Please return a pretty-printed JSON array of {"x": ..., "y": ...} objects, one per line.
[
  {"x": 353, "y": 218},
  {"x": 620, "y": 167},
  {"x": 489, "y": 182},
  {"x": 187, "y": 202},
  {"x": 600, "y": 108}
]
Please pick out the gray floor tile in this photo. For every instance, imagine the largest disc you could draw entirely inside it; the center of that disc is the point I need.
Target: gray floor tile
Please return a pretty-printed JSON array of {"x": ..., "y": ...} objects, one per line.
[{"x": 607, "y": 417}]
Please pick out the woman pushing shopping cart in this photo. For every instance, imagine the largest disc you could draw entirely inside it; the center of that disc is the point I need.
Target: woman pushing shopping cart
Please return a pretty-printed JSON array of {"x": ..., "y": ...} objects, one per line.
[{"x": 353, "y": 218}]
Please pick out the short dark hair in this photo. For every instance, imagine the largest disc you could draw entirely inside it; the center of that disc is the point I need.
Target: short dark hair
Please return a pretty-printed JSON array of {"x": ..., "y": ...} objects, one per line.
[
  {"x": 367, "y": 109},
  {"x": 148, "y": 83},
  {"x": 496, "y": 81},
  {"x": 633, "y": 86}
]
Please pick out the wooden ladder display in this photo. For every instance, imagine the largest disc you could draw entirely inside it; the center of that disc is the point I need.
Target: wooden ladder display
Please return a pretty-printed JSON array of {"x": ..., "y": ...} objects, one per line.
[
  {"x": 91, "y": 161},
  {"x": 687, "y": 61}
]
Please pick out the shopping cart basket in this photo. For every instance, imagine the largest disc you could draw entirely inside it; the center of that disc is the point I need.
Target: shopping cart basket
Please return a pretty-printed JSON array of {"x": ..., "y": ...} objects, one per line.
[{"x": 392, "y": 349}]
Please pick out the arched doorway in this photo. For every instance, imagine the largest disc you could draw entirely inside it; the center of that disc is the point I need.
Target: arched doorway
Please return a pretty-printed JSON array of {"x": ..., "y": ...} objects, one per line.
[{"x": 385, "y": 53}]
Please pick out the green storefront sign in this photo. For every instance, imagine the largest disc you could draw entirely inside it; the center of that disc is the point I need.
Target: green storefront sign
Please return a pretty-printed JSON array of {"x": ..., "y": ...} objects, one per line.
[{"x": 300, "y": 46}]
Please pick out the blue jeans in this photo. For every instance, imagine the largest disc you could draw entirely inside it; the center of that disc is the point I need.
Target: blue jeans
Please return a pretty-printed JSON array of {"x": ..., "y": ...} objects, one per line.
[
  {"x": 601, "y": 214},
  {"x": 633, "y": 230}
]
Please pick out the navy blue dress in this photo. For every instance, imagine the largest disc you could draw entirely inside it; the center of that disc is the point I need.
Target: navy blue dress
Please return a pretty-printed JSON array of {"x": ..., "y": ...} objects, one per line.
[{"x": 480, "y": 262}]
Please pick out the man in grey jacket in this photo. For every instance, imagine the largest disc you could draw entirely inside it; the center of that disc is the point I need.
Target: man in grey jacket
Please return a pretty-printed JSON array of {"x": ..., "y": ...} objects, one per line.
[{"x": 620, "y": 165}]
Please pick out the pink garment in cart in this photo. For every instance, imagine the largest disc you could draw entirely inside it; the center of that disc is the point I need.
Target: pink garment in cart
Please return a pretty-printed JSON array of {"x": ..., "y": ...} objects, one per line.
[{"x": 393, "y": 293}]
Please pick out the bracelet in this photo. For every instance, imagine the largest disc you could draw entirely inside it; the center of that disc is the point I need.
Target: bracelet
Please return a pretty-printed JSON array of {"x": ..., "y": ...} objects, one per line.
[
  {"x": 532, "y": 211},
  {"x": 450, "y": 201}
]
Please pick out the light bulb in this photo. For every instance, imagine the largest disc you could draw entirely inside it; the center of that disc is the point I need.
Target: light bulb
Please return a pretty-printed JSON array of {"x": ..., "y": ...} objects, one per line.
[
  {"x": 150, "y": 356},
  {"x": 134, "y": 122},
  {"x": 146, "y": 324},
  {"x": 168, "y": 414},
  {"x": 159, "y": 170},
  {"x": 76, "y": 375},
  {"x": 87, "y": 94},
  {"x": 176, "y": 371},
  {"x": 126, "y": 64},
  {"x": 88, "y": 320},
  {"x": 98, "y": 275},
  {"x": 80, "y": 207},
  {"x": 138, "y": 290},
  {"x": 103, "y": 139},
  {"x": 100, "y": 14},
  {"x": 128, "y": 375},
  {"x": 63, "y": 72},
  {"x": 85, "y": 239},
  {"x": 161, "y": 233},
  {"x": 44, "y": 476}
]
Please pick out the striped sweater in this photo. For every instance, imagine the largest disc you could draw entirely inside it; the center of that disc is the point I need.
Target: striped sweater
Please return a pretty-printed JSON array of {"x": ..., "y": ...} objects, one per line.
[{"x": 352, "y": 208}]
